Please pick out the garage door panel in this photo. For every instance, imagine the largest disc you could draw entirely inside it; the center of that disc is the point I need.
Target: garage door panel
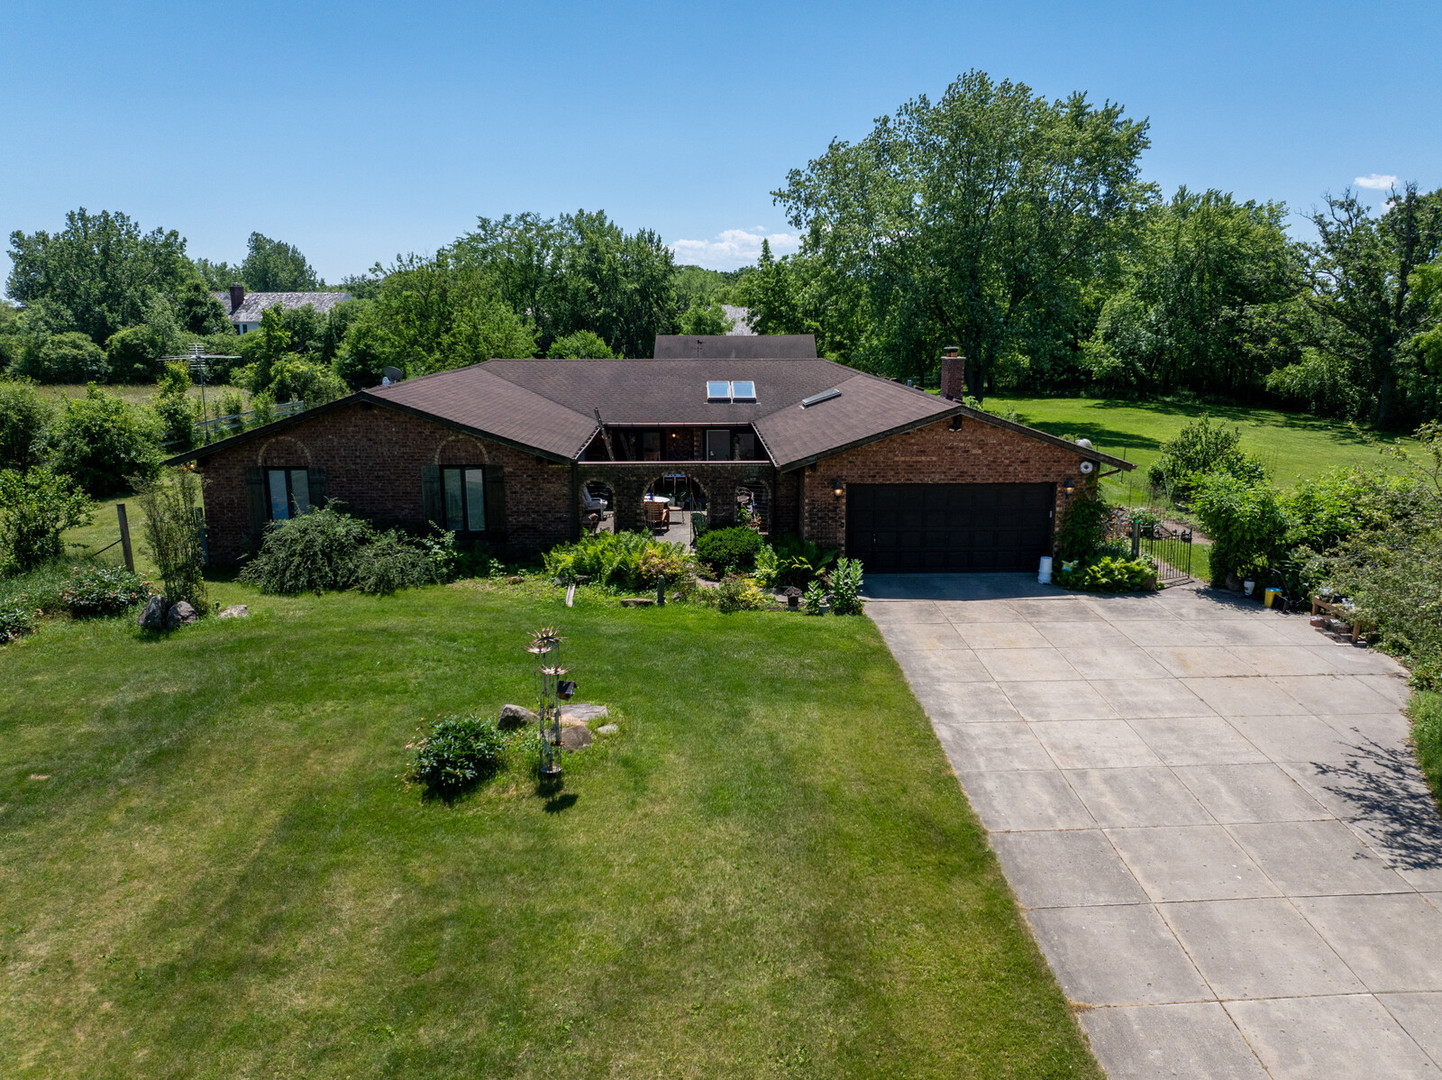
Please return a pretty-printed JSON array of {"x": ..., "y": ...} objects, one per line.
[{"x": 949, "y": 527}]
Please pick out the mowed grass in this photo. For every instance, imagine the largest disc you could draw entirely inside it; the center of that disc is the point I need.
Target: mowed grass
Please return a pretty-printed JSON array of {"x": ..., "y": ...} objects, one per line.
[
  {"x": 1293, "y": 445},
  {"x": 211, "y": 866}
]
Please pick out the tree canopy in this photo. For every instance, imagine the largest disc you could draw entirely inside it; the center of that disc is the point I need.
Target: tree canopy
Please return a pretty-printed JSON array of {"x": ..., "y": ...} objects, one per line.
[
  {"x": 96, "y": 275},
  {"x": 275, "y": 266},
  {"x": 981, "y": 219}
]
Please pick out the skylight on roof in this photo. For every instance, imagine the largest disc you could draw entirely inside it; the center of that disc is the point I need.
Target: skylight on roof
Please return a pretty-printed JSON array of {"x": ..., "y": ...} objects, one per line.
[
  {"x": 817, "y": 399},
  {"x": 743, "y": 390},
  {"x": 718, "y": 390}
]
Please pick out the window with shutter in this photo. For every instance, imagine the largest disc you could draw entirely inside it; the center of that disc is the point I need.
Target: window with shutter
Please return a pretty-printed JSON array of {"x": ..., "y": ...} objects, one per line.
[
  {"x": 288, "y": 493},
  {"x": 461, "y": 500}
]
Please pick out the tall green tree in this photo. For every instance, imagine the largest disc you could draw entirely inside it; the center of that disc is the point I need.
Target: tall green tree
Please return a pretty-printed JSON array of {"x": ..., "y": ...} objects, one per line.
[
  {"x": 580, "y": 271},
  {"x": 1207, "y": 299},
  {"x": 1363, "y": 272},
  {"x": 431, "y": 315},
  {"x": 981, "y": 219},
  {"x": 96, "y": 275},
  {"x": 275, "y": 266}
]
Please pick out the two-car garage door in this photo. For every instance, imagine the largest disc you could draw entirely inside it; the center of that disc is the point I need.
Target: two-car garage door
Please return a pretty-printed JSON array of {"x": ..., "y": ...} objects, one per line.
[{"x": 949, "y": 527}]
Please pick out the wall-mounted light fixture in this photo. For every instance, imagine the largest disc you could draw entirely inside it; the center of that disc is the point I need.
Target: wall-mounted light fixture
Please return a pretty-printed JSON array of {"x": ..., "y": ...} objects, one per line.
[
  {"x": 1068, "y": 487},
  {"x": 837, "y": 487}
]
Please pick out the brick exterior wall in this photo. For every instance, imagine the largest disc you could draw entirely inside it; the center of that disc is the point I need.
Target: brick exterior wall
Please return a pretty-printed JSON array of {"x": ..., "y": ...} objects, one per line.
[
  {"x": 373, "y": 458},
  {"x": 978, "y": 453}
]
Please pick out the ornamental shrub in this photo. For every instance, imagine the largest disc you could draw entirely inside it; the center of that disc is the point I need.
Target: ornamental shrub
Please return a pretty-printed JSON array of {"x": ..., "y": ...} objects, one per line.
[
  {"x": 16, "y": 620},
  {"x": 630, "y": 561},
  {"x": 456, "y": 754},
  {"x": 1246, "y": 522},
  {"x": 393, "y": 561},
  {"x": 97, "y": 591},
  {"x": 1110, "y": 573},
  {"x": 737, "y": 593},
  {"x": 730, "y": 550},
  {"x": 310, "y": 553},
  {"x": 800, "y": 562},
  {"x": 846, "y": 587}
]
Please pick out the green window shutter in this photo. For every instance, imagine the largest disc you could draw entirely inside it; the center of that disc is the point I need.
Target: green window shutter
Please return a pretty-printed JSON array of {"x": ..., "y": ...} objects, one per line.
[
  {"x": 431, "y": 505},
  {"x": 259, "y": 510},
  {"x": 495, "y": 500},
  {"x": 315, "y": 477}
]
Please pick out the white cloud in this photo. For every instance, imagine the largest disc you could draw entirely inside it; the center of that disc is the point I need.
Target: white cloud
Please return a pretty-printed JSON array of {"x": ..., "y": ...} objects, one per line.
[
  {"x": 1377, "y": 182},
  {"x": 734, "y": 248}
]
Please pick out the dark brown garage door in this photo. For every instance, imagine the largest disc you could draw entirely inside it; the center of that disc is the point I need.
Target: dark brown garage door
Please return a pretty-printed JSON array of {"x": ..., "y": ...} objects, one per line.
[{"x": 948, "y": 527}]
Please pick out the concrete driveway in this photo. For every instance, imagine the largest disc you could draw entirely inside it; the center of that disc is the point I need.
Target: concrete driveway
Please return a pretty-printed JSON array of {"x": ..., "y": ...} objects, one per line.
[{"x": 1208, "y": 812}]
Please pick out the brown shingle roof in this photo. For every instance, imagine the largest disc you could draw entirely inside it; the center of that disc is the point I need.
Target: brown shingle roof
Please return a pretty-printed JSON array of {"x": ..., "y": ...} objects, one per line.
[
  {"x": 866, "y": 408},
  {"x": 479, "y": 398},
  {"x": 669, "y": 391}
]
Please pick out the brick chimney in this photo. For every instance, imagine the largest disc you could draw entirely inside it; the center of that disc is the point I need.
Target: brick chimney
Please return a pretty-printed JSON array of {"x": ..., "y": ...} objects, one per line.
[
  {"x": 953, "y": 373},
  {"x": 237, "y": 297}
]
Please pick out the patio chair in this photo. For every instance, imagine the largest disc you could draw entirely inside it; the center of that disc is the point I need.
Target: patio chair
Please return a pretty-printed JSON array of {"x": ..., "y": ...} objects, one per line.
[
  {"x": 658, "y": 515},
  {"x": 592, "y": 504}
]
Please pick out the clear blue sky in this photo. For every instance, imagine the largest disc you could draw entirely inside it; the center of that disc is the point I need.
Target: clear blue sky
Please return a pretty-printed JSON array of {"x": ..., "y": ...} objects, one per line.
[{"x": 360, "y": 130}]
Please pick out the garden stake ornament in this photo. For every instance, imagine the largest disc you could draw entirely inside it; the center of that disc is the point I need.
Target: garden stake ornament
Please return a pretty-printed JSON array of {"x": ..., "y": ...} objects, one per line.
[{"x": 552, "y": 689}]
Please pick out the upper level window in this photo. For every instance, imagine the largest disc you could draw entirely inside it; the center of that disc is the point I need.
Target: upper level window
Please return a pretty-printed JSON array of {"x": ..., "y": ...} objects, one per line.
[
  {"x": 288, "y": 491},
  {"x": 718, "y": 390},
  {"x": 465, "y": 497},
  {"x": 743, "y": 390}
]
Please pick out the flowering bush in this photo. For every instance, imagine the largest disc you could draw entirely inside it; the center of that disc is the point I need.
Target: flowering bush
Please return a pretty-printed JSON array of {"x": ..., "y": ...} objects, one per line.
[
  {"x": 102, "y": 590},
  {"x": 16, "y": 620}
]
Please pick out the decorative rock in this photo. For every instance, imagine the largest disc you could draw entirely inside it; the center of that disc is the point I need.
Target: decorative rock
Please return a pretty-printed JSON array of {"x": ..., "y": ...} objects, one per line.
[
  {"x": 182, "y": 614},
  {"x": 608, "y": 729},
  {"x": 235, "y": 611},
  {"x": 638, "y": 601},
  {"x": 515, "y": 716},
  {"x": 575, "y": 738},
  {"x": 514, "y": 579},
  {"x": 582, "y": 714},
  {"x": 153, "y": 617}
]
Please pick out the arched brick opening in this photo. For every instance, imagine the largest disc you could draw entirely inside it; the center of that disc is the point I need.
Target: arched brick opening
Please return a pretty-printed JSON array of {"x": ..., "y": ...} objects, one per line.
[
  {"x": 598, "y": 507},
  {"x": 753, "y": 504}
]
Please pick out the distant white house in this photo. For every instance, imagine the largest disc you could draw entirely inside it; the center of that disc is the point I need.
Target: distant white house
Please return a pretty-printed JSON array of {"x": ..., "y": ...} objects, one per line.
[
  {"x": 740, "y": 321},
  {"x": 244, "y": 309}
]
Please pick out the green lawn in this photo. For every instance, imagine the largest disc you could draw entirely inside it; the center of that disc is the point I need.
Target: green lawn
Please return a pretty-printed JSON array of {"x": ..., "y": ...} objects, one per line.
[
  {"x": 211, "y": 867},
  {"x": 1293, "y": 445}
]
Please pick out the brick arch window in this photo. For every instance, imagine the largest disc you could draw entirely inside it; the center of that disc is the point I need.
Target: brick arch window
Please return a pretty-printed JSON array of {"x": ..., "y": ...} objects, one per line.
[
  {"x": 281, "y": 492},
  {"x": 469, "y": 500}
]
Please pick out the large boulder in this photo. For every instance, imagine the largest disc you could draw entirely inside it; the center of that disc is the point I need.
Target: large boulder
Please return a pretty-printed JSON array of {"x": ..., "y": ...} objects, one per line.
[
  {"x": 575, "y": 738},
  {"x": 516, "y": 716},
  {"x": 235, "y": 611},
  {"x": 153, "y": 617},
  {"x": 181, "y": 614}
]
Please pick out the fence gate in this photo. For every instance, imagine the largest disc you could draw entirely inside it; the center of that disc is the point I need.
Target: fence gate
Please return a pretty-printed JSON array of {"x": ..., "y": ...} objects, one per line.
[{"x": 1170, "y": 548}]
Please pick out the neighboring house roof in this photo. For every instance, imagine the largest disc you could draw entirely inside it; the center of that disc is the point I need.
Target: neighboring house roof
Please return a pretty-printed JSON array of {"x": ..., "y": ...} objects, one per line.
[
  {"x": 735, "y": 347},
  {"x": 549, "y": 407},
  {"x": 254, "y": 303},
  {"x": 740, "y": 321}
]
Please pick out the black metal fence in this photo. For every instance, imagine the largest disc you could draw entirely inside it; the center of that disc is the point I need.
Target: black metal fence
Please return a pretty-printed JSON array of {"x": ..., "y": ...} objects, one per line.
[{"x": 1170, "y": 548}]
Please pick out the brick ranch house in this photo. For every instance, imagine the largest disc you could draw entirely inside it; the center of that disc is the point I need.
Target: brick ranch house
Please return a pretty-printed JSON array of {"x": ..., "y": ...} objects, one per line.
[{"x": 516, "y": 454}]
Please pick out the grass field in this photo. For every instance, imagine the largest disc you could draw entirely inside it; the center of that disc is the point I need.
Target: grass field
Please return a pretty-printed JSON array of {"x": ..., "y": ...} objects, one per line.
[
  {"x": 212, "y": 869},
  {"x": 1293, "y": 445},
  {"x": 136, "y": 394}
]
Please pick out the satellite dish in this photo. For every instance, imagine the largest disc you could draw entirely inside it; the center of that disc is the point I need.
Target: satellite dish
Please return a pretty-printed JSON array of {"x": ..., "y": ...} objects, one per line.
[
  {"x": 1086, "y": 467},
  {"x": 392, "y": 374},
  {"x": 1084, "y": 442}
]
